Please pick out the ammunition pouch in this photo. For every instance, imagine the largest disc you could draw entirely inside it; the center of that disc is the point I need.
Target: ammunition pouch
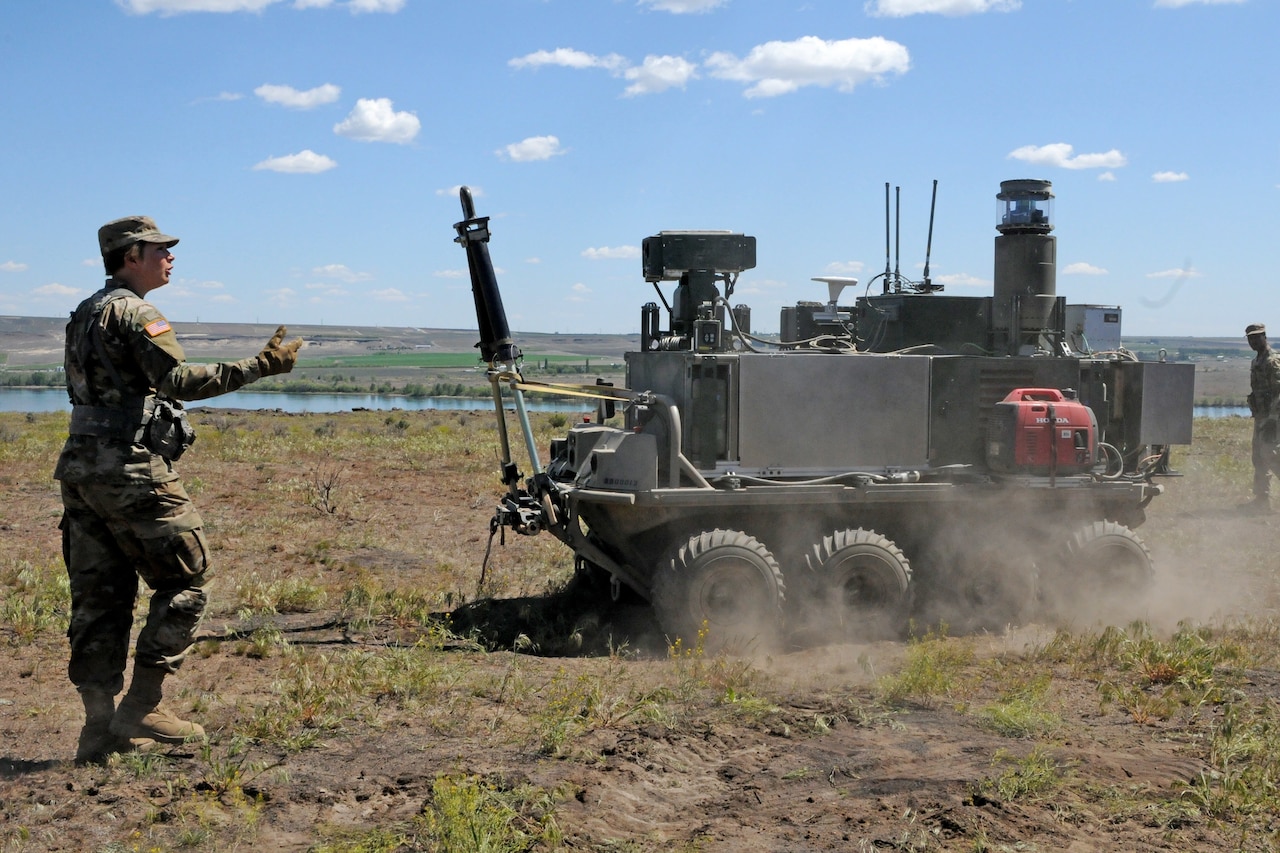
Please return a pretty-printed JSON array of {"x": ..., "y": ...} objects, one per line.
[
  {"x": 160, "y": 425},
  {"x": 1254, "y": 408},
  {"x": 168, "y": 432}
]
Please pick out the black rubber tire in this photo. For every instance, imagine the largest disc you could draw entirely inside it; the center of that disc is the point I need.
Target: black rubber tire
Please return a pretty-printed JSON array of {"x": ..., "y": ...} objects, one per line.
[
  {"x": 1104, "y": 570},
  {"x": 726, "y": 583},
  {"x": 861, "y": 583},
  {"x": 996, "y": 589}
]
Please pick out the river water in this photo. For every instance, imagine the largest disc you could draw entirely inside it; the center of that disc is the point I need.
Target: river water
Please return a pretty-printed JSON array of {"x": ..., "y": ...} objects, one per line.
[{"x": 55, "y": 400}]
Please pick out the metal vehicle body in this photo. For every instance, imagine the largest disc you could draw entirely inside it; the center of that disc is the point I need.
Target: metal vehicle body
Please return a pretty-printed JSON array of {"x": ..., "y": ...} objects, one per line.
[{"x": 908, "y": 455}]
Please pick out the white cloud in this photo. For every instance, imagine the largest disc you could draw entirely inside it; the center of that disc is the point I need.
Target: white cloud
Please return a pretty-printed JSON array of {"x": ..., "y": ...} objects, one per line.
[
  {"x": 1178, "y": 4},
  {"x": 1062, "y": 155},
  {"x": 450, "y": 273},
  {"x": 531, "y": 149},
  {"x": 961, "y": 279},
  {"x": 567, "y": 57},
  {"x": 55, "y": 289},
  {"x": 684, "y": 7},
  {"x": 192, "y": 288},
  {"x": 659, "y": 73},
  {"x": 287, "y": 96},
  {"x": 580, "y": 288},
  {"x": 13, "y": 266},
  {"x": 360, "y": 6},
  {"x": 1184, "y": 272},
  {"x": 952, "y": 8},
  {"x": 390, "y": 294},
  {"x": 1170, "y": 177},
  {"x": 342, "y": 272},
  {"x": 770, "y": 288},
  {"x": 844, "y": 267},
  {"x": 195, "y": 288},
  {"x": 1082, "y": 268},
  {"x": 374, "y": 120},
  {"x": 222, "y": 97},
  {"x": 655, "y": 74},
  {"x": 305, "y": 162},
  {"x": 779, "y": 67},
  {"x": 178, "y": 7},
  {"x": 1107, "y": 176},
  {"x": 612, "y": 253},
  {"x": 281, "y": 296}
]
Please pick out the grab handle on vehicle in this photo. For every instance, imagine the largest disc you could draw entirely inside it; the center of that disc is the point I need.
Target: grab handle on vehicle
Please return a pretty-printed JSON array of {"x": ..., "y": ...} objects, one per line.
[{"x": 1047, "y": 395}]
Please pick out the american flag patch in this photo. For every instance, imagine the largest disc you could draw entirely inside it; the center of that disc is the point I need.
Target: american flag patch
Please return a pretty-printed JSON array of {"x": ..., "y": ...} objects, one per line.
[{"x": 156, "y": 327}]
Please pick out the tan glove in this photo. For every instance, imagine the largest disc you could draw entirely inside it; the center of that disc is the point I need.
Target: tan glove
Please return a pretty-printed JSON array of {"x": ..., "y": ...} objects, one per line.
[{"x": 277, "y": 357}]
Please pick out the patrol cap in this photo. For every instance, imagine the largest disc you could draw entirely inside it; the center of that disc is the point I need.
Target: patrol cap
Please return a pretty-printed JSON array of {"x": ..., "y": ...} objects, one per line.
[
  {"x": 1255, "y": 329},
  {"x": 119, "y": 233}
]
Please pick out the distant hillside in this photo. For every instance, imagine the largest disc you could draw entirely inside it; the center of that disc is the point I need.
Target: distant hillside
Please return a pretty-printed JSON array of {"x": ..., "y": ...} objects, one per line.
[
  {"x": 39, "y": 340},
  {"x": 1222, "y": 364},
  {"x": 1190, "y": 347}
]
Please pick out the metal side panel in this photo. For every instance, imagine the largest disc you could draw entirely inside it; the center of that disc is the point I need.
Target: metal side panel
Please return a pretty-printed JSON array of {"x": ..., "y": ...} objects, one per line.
[
  {"x": 702, "y": 387},
  {"x": 660, "y": 372},
  {"x": 1162, "y": 395},
  {"x": 813, "y": 412}
]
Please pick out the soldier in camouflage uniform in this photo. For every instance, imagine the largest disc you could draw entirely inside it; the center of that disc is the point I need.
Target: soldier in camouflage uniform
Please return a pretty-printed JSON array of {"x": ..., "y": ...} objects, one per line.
[
  {"x": 126, "y": 514},
  {"x": 1264, "y": 405}
]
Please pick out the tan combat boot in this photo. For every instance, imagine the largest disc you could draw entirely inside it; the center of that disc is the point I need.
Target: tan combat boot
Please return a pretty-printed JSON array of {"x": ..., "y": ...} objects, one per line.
[
  {"x": 140, "y": 715},
  {"x": 97, "y": 743}
]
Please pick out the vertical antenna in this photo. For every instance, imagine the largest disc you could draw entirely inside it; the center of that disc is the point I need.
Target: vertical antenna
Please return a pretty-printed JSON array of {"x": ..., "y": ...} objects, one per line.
[
  {"x": 928, "y": 248},
  {"x": 897, "y": 237},
  {"x": 886, "y": 237}
]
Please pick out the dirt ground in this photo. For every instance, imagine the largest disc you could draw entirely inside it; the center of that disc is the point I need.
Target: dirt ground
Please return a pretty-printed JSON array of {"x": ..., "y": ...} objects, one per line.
[{"x": 826, "y": 768}]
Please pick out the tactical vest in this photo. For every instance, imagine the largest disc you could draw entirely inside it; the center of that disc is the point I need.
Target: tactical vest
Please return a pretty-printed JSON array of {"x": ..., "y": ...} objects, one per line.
[{"x": 140, "y": 417}]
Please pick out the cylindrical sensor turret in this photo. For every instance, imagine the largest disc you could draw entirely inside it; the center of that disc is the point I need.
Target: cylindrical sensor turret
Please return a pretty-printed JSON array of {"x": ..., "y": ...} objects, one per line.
[
  {"x": 1025, "y": 206},
  {"x": 1025, "y": 266}
]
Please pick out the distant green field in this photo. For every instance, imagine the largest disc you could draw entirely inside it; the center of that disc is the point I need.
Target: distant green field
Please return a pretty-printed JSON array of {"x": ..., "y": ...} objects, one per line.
[{"x": 433, "y": 359}]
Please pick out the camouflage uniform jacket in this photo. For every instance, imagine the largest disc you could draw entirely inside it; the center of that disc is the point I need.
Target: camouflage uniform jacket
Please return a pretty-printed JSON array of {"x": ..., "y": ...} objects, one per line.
[
  {"x": 143, "y": 359},
  {"x": 1264, "y": 382}
]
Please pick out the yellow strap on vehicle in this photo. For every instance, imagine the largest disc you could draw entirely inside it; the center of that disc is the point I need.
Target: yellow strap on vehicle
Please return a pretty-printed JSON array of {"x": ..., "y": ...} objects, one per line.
[{"x": 594, "y": 392}]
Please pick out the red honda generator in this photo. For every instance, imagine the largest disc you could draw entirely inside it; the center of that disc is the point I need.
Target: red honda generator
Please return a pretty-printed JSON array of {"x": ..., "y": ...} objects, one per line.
[{"x": 1041, "y": 431}]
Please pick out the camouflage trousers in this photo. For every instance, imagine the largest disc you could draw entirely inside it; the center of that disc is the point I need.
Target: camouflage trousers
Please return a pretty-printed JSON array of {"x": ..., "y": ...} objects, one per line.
[
  {"x": 1266, "y": 455},
  {"x": 112, "y": 535}
]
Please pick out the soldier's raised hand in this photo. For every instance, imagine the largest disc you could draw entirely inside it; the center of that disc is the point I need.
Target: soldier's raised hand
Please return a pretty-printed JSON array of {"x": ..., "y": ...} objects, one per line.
[{"x": 278, "y": 357}]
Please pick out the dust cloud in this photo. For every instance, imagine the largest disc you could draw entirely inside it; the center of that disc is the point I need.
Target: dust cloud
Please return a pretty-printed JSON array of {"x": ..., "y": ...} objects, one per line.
[{"x": 1001, "y": 570}]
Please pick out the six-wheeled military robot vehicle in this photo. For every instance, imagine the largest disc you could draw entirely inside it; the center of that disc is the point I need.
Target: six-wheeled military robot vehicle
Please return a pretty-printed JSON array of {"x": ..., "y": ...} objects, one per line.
[{"x": 902, "y": 456}]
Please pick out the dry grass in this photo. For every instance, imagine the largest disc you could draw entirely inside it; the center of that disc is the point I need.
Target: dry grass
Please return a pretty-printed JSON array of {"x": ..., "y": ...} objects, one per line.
[{"x": 347, "y": 549}]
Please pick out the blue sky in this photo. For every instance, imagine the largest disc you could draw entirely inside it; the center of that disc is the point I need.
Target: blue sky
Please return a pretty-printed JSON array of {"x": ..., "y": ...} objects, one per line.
[{"x": 308, "y": 152}]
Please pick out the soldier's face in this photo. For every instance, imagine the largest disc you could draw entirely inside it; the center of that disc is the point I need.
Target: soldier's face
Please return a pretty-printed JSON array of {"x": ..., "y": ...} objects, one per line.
[
  {"x": 1258, "y": 342},
  {"x": 153, "y": 268}
]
